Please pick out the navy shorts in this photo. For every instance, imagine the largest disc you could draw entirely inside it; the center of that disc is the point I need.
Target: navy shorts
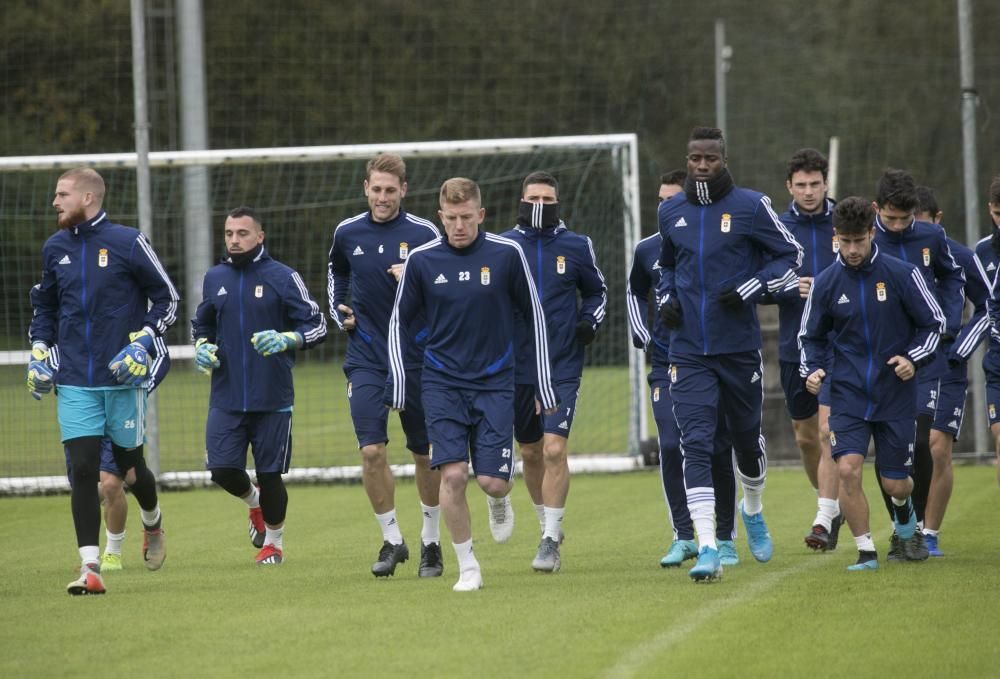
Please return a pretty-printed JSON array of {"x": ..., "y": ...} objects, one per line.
[
  {"x": 228, "y": 434},
  {"x": 893, "y": 442},
  {"x": 800, "y": 404},
  {"x": 365, "y": 389},
  {"x": 928, "y": 390},
  {"x": 529, "y": 427},
  {"x": 951, "y": 400},
  {"x": 107, "y": 460},
  {"x": 823, "y": 397},
  {"x": 470, "y": 422}
]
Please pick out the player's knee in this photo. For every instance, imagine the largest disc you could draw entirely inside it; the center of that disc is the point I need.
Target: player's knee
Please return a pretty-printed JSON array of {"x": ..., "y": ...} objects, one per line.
[
  {"x": 233, "y": 481},
  {"x": 554, "y": 452},
  {"x": 493, "y": 486},
  {"x": 455, "y": 476},
  {"x": 373, "y": 455},
  {"x": 112, "y": 487}
]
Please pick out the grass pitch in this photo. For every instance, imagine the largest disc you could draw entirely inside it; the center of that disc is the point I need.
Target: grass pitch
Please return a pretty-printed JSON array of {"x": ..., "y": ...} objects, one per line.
[{"x": 611, "y": 612}]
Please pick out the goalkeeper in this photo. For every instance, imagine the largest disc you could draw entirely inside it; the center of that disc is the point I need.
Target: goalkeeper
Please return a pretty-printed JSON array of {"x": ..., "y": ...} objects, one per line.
[
  {"x": 254, "y": 314},
  {"x": 104, "y": 298}
]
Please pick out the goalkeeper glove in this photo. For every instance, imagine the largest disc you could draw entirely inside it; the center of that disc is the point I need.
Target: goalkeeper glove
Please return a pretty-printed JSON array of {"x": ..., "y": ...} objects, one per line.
[
  {"x": 267, "y": 342},
  {"x": 130, "y": 366},
  {"x": 40, "y": 373},
  {"x": 585, "y": 332},
  {"x": 204, "y": 355}
]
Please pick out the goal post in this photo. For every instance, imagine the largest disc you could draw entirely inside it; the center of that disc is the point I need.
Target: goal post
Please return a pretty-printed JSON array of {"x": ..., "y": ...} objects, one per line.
[{"x": 301, "y": 194}]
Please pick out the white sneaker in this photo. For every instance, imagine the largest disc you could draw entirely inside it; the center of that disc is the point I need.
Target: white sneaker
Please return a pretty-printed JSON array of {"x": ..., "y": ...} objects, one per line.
[
  {"x": 469, "y": 581},
  {"x": 501, "y": 517}
]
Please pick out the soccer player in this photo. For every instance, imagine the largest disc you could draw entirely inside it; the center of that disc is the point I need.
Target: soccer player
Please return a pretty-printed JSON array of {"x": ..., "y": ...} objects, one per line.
[
  {"x": 950, "y": 407},
  {"x": 924, "y": 245},
  {"x": 468, "y": 285},
  {"x": 111, "y": 487},
  {"x": 885, "y": 324},
  {"x": 722, "y": 248},
  {"x": 988, "y": 264},
  {"x": 104, "y": 298},
  {"x": 643, "y": 277},
  {"x": 366, "y": 259},
  {"x": 254, "y": 314},
  {"x": 810, "y": 219},
  {"x": 573, "y": 295}
]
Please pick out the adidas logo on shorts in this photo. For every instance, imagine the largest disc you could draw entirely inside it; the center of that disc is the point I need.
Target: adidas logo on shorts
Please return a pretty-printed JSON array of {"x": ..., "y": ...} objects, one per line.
[
  {"x": 843, "y": 300},
  {"x": 440, "y": 279},
  {"x": 358, "y": 251}
]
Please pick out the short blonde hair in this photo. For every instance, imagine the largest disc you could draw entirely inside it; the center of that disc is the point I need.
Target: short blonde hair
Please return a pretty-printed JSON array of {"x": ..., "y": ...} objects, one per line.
[
  {"x": 389, "y": 163},
  {"x": 460, "y": 190},
  {"x": 86, "y": 179}
]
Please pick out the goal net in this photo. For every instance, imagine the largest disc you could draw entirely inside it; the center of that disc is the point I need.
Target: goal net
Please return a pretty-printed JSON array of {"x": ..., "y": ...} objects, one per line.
[{"x": 302, "y": 194}]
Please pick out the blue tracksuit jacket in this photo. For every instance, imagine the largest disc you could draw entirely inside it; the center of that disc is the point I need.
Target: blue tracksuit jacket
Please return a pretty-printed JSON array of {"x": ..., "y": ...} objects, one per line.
[
  {"x": 561, "y": 263},
  {"x": 360, "y": 255},
  {"x": 819, "y": 249},
  {"x": 925, "y": 245},
  {"x": 643, "y": 276},
  {"x": 469, "y": 296},
  {"x": 988, "y": 264},
  {"x": 974, "y": 329},
  {"x": 736, "y": 242},
  {"x": 97, "y": 281},
  {"x": 239, "y": 301},
  {"x": 881, "y": 309}
]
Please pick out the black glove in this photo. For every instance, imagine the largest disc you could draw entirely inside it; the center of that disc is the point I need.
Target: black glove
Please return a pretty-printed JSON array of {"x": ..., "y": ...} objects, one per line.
[
  {"x": 585, "y": 332},
  {"x": 731, "y": 299},
  {"x": 670, "y": 313}
]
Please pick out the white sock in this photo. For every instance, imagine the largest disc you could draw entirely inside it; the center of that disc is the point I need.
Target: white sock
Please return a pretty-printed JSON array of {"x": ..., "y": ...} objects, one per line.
[
  {"x": 828, "y": 510},
  {"x": 253, "y": 499},
  {"x": 151, "y": 518},
  {"x": 274, "y": 536},
  {"x": 466, "y": 559},
  {"x": 703, "y": 517},
  {"x": 931, "y": 532},
  {"x": 753, "y": 491},
  {"x": 431, "y": 531},
  {"x": 540, "y": 510},
  {"x": 553, "y": 521},
  {"x": 114, "y": 543},
  {"x": 91, "y": 554},
  {"x": 390, "y": 527},
  {"x": 864, "y": 542}
]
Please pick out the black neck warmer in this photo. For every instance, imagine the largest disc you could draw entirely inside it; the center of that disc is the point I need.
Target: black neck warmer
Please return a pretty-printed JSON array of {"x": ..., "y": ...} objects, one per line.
[{"x": 706, "y": 193}]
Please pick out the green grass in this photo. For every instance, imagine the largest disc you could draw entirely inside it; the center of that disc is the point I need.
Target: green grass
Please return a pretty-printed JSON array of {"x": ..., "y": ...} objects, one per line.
[
  {"x": 611, "y": 612},
  {"x": 322, "y": 431}
]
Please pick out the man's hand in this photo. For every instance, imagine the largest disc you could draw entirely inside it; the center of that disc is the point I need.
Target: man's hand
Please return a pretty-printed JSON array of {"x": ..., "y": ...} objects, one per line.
[
  {"x": 585, "y": 332},
  {"x": 731, "y": 299},
  {"x": 904, "y": 367},
  {"x": 130, "y": 366},
  {"x": 205, "y": 355},
  {"x": 815, "y": 381},
  {"x": 670, "y": 313},
  {"x": 268, "y": 342},
  {"x": 396, "y": 271},
  {"x": 805, "y": 285},
  {"x": 348, "y": 314},
  {"x": 40, "y": 373}
]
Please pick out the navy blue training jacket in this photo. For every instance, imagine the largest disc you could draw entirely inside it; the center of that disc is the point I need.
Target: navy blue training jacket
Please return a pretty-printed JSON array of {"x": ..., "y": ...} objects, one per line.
[
  {"x": 975, "y": 329},
  {"x": 239, "y": 301},
  {"x": 869, "y": 314},
  {"x": 360, "y": 255},
  {"x": 561, "y": 262},
  {"x": 468, "y": 296},
  {"x": 98, "y": 279},
  {"x": 988, "y": 264},
  {"x": 736, "y": 242},
  {"x": 643, "y": 276}
]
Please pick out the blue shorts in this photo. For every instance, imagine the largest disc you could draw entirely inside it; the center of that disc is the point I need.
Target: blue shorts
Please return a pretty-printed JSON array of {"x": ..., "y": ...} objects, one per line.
[
  {"x": 951, "y": 401},
  {"x": 993, "y": 402},
  {"x": 928, "y": 390},
  {"x": 464, "y": 423},
  {"x": 893, "y": 442},
  {"x": 800, "y": 404},
  {"x": 823, "y": 397},
  {"x": 115, "y": 412},
  {"x": 529, "y": 427},
  {"x": 227, "y": 435},
  {"x": 365, "y": 389},
  {"x": 107, "y": 460}
]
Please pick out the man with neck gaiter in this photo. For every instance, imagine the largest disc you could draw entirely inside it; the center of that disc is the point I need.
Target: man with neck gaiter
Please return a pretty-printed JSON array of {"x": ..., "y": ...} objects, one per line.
[
  {"x": 105, "y": 298},
  {"x": 254, "y": 314},
  {"x": 723, "y": 247},
  {"x": 573, "y": 295}
]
